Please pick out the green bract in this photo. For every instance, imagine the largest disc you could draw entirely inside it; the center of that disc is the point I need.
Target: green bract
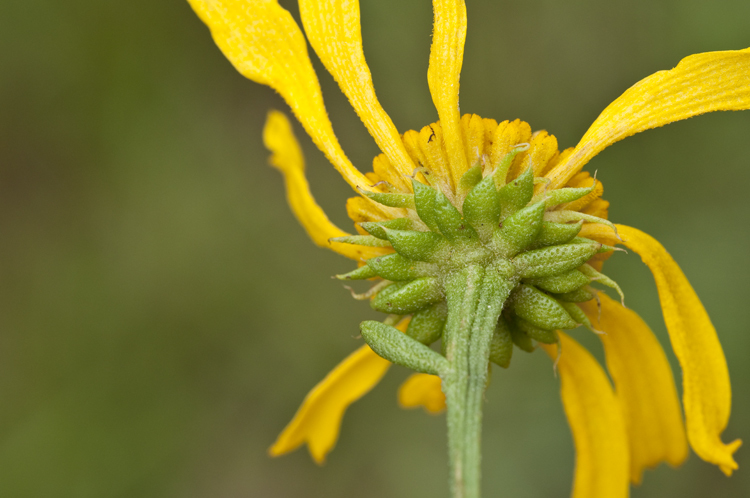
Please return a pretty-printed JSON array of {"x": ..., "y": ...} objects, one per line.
[{"x": 525, "y": 243}]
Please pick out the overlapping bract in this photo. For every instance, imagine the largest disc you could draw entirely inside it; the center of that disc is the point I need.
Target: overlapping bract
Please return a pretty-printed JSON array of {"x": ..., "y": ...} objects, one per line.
[{"x": 499, "y": 223}]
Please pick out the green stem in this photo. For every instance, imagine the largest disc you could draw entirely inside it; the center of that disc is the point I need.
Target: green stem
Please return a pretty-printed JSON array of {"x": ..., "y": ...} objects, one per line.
[{"x": 475, "y": 299}]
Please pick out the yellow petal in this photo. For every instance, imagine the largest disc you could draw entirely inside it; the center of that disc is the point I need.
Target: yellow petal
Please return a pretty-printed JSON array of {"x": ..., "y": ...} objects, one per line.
[
  {"x": 505, "y": 138},
  {"x": 412, "y": 143},
  {"x": 644, "y": 385},
  {"x": 711, "y": 81},
  {"x": 430, "y": 141},
  {"x": 286, "y": 155},
  {"x": 490, "y": 125},
  {"x": 422, "y": 390},
  {"x": 333, "y": 29},
  {"x": 474, "y": 131},
  {"x": 542, "y": 149},
  {"x": 374, "y": 178},
  {"x": 383, "y": 168},
  {"x": 560, "y": 158},
  {"x": 361, "y": 209},
  {"x": 599, "y": 233},
  {"x": 425, "y": 147},
  {"x": 263, "y": 42},
  {"x": 318, "y": 420},
  {"x": 596, "y": 421},
  {"x": 707, "y": 395},
  {"x": 598, "y": 208},
  {"x": 446, "y": 57}
]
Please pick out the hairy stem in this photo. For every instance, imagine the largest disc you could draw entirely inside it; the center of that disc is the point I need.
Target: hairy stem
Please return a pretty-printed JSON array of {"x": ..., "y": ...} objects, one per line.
[{"x": 475, "y": 299}]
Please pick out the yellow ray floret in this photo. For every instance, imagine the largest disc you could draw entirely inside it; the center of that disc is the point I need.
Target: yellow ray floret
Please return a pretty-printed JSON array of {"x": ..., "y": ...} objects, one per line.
[
  {"x": 542, "y": 150},
  {"x": 473, "y": 129},
  {"x": 443, "y": 73},
  {"x": 712, "y": 81},
  {"x": 707, "y": 395},
  {"x": 334, "y": 31},
  {"x": 264, "y": 44},
  {"x": 596, "y": 421},
  {"x": 422, "y": 390},
  {"x": 426, "y": 148},
  {"x": 287, "y": 157},
  {"x": 318, "y": 420},
  {"x": 505, "y": 138},
  {"x": 644, "y": 385}
]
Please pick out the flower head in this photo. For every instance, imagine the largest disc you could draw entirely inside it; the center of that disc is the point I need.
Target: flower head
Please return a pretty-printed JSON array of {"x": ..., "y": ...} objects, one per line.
[{"x": 469, "y": 190}]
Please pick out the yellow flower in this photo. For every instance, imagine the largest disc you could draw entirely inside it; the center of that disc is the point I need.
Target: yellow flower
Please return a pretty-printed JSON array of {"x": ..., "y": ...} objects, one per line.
[{"x": 619, "y": 430}]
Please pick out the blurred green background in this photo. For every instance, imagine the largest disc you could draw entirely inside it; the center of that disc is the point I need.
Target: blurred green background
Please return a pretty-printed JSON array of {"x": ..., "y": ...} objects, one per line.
[{"x": 162, "y": 315}]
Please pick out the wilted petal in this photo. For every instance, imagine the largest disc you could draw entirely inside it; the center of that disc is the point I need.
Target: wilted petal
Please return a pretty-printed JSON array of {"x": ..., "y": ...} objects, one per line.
[
  {"x": 287, "y": 157},
  {"x": 333, "y": 28},
  {"x": 318, "y": 420},
  {"x": 596, "y": 421},
  {"x": 711, "y": 81},
  {"x": 443, "y": 74},
  {"x": 263, "y": 42},
  {"x": 707, "y": 395},
  {"x": 644, "y": 385}
]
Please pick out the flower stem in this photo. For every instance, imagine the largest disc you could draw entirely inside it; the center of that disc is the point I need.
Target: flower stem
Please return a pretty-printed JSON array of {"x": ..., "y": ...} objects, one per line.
[{"x": 475, "y": 298}]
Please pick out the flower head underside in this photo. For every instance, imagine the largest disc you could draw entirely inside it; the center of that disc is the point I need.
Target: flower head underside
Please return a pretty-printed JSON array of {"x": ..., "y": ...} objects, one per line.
[{"x": 467, "y": 190}]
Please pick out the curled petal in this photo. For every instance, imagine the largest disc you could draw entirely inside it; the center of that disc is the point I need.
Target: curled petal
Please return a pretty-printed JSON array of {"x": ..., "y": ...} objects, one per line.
[
  {"x": 711, "y": 81},
  {"x": 333, "y": 28},
  {"x": 596, "y": 421},
  {"x": 707, "y": 394},
  {"x": 287, "y": 156},
  {"x": 422, "y": 390},
  {"x": 263, "y": 42},
  {"x": 644, "y": 385},
  {"x": 318, "y": 420},
  {"x": 443, "y": 74}
]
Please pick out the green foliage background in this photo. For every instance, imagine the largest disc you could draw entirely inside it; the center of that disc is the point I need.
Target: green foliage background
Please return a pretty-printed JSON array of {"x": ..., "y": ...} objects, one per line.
[{"x": 162, "y": 315}]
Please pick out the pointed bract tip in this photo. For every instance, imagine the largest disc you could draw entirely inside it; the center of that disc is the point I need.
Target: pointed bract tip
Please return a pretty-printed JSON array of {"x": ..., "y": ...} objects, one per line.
[
  {"x": 557, "y": 359},
  {"x": 596, "y": 331},
  {"x": 370, "y": 292}
]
